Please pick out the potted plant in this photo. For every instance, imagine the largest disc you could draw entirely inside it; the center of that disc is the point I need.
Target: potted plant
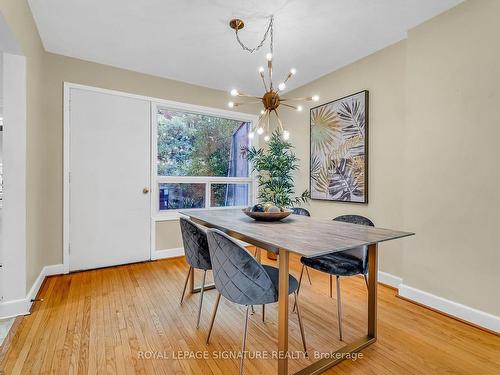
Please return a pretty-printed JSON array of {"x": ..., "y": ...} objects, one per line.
[{"x": 274, "y": 167}]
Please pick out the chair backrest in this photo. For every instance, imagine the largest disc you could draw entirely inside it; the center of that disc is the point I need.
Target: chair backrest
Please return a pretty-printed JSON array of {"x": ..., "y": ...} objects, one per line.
[
  {"x": 237, "y": 275},
  {"x": 355, "y": 219},
  {"x": 360, "y": 252},
  {"x": 195, "y": 245},
  {"x": 300, "y": 211}
]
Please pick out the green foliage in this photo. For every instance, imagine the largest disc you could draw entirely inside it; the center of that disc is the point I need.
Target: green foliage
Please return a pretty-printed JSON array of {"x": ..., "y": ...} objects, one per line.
[
  {"x": 175, "y": 141},
  {"x": 193, "y": 145},
  {"x": 275, "y": 167}
]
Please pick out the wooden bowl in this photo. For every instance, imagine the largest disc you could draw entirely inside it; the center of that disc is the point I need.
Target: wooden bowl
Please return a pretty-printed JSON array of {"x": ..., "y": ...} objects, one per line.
[{"x": 267, "y": 216}]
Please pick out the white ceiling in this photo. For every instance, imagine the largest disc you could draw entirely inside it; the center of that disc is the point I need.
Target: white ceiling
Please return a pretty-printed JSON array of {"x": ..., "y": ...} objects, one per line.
[{"x": 189, "y": 40}]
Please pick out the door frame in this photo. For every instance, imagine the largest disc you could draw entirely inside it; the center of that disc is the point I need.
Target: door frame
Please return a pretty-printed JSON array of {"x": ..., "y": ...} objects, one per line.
[{"x": 68, "y": 86}]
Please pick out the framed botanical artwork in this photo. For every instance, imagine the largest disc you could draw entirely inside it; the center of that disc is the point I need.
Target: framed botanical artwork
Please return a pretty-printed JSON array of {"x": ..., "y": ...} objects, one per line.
[{"x": 339, "y": 150}]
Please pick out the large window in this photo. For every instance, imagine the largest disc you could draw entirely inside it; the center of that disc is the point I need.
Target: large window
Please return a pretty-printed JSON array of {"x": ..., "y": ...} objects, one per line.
[{"x": 199, "y": 163}]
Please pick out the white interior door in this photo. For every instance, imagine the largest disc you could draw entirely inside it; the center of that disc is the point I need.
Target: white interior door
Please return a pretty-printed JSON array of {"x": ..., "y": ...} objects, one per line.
[{"x": 110, "y": 210}]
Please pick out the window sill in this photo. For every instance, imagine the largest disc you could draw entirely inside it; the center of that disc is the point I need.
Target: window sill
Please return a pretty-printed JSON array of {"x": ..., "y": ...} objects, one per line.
[{"x": 175, "y": 214}]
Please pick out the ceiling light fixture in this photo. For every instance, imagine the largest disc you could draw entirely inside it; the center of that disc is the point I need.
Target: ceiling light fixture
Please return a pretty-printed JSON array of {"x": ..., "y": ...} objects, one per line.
[{"x": 271, "y": 98}]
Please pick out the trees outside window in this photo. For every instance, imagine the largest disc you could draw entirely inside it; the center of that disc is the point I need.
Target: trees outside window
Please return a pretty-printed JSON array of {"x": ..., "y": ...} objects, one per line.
[{"x": 199, "y": 161}]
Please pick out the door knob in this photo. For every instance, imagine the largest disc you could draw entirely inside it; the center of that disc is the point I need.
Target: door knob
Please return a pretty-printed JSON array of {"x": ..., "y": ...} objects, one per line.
[{"x": 145, "y": 190}]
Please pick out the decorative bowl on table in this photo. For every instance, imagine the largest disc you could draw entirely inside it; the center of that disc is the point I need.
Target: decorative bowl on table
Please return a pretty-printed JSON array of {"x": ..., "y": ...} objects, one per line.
[{"x": 266, "y": 215}]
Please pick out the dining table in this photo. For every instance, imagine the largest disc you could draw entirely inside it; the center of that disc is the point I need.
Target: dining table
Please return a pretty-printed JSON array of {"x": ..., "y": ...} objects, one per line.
[{"x": 307, "y": 237}]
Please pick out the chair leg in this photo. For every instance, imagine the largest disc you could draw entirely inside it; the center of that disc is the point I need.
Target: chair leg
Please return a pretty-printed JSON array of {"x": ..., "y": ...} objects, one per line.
[
  {"x": 300, "y": 283},
  {"x": 214, "y": 313},
  {"x": 300, "y": 278},
  {"x": 186, "y": 283},
  {"x": 244, "y": 343},
  {"x": 331, "y": 286},
  {"x": 308, "y": 276},
  {"x": 300, "y": 323},
  {"x": 366, "y": 280},
  {"x": 339, "y": 307},
  {"x": 201, "y": 298},
  {"x": 263, "y": 313},
  {"x": 253, "y": 310}
]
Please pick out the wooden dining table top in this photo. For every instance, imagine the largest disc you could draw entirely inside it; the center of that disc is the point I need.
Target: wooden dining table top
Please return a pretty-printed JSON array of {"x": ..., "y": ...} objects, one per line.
[{"x": 303, "y": 235}]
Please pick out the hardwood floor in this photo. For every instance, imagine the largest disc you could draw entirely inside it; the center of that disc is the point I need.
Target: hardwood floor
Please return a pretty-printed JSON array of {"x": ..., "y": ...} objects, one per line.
[{"x": 113, "y": 320}]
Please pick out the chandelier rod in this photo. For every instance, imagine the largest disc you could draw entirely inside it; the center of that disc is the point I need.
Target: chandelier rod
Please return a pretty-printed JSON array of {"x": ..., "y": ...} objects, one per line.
[
  {"x": 263, "y": 80},
  {"x": 270, "y": 69},
  {"x": 279, "y": 120},
  {"x": 289, "y": 106}
]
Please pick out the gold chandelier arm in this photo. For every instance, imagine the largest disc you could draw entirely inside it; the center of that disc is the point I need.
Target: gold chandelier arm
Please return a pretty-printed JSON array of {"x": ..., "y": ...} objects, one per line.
[
  {"x": 308, "y": 99},
  {"x": 260, "y": 120},
  {"x": 252, "y": 102},
  {"x": 268, "y": 116},
  {"x": 289, "y": 75},
  {"x": 241, "y": 95},
  {"x": 290, "y": 106},
  {"x": 245, "y": 103},
  {"x": 263, "y": 80},
  {"x": 279, "y": 120}
]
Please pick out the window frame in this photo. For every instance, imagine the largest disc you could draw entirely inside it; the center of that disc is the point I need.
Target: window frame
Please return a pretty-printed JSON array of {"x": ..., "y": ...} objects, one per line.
[{"x": 156, "y": 180}]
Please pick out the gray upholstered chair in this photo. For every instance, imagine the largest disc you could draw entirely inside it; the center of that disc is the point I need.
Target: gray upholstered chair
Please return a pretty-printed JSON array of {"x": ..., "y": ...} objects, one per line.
[
  {"x": 303, "y": 212},
  {"x": 243, "y": 280},
  {"x": 343, "y": 263},
  {"x": 197, "y": 255},
  {"x": 300, "y": 211}
]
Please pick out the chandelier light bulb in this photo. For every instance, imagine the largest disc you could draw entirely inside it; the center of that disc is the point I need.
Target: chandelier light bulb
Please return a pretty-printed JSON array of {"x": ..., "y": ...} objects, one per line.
[
  {"x": 266, "y": 138},
  {"x": 251, "y": 135},
  {"x": 261, "y": 69},
  {"x": 293, "y": 71},
  {"x": 315, "y": 98},
  {"x": 299, "y": 108},
  {"x": 269, "y": 56},
  {"x": 230, "y": 104},
  {"x": 286, "y": 135},
  {"x": 234, "y": 92},
  {"x": 262, "y": 112},
  {"x": 260, "y": 131},
  {"x": 282, "y": 86}
]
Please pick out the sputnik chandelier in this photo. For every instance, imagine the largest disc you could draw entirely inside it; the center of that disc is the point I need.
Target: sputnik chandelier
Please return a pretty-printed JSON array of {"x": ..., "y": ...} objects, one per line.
[{"x": 271, "y": 98}]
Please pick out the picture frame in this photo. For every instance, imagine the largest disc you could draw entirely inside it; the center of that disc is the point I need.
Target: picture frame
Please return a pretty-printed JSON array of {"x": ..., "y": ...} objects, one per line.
[{"x": 338, "y": 149}]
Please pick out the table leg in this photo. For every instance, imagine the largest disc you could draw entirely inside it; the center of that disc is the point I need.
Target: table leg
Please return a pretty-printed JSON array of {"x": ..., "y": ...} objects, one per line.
[
  {"x": 283, "y": 260},
  {"x": 194, "y": 290},
  {"x": 372, "y": 290},
  {"x": 259, "y": 255}
]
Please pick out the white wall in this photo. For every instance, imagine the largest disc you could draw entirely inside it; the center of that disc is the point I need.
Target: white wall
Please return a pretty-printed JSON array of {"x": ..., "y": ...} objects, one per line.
[
  {"x": 433, "y": 159},
  {"x": 452, "y": 176},
  {"x": 1, "y": 110},
  {"x": 14, "y": 166}
]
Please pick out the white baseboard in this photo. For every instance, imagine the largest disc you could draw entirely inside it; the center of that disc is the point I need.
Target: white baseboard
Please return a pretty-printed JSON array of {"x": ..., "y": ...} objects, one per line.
[
  {"x": 463, "y": 312},
  {"x": 469, "y": 314},
  {"x": 167, "y": 253},
  {"x": 178, "y": 251},
  {"x": 55, "y": 269},
  {"x": 388, "y": 279},
  {"x": 10, "y": 309}
]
